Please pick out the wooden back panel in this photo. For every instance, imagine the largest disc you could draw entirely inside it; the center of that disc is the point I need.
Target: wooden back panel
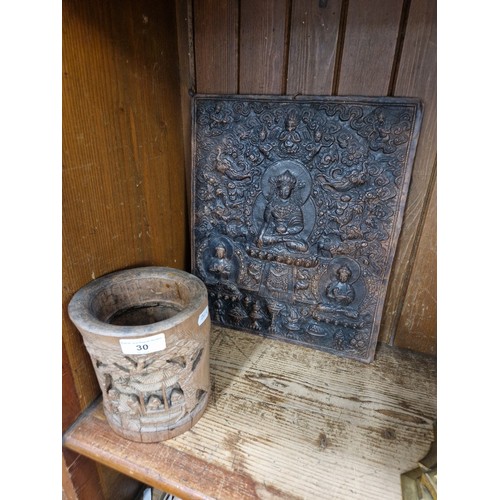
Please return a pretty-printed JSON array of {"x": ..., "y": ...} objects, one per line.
[{"x": 339, "y": 47}]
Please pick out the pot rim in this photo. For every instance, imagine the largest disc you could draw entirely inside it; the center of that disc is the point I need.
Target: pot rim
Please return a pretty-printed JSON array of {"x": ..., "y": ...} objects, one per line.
[{"x": 79, "y": 305}]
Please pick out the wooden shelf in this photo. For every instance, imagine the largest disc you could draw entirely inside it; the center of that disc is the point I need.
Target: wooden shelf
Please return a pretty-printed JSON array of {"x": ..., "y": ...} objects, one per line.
[{"x": 285, "y": 421}]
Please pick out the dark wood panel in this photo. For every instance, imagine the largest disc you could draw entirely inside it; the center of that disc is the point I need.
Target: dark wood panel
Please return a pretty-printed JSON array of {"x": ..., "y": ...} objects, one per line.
[
  {"x": 185, "y": 43},
  {"x": 263, "y": 46},
  {"x": 83, "y": 475},
  {"x": 417, "y": 328},
  {"x": 370, "y": 39},
  {"x": 84, "y": 479},
  {"x": 69, "y": 492},
  {"x": 314, "y": 32},
  {"x": 216, "y": 46},
  {"x": 119, "y": 486},
  {"x": 71, "y": 404},
  {"x": 417, "y": 78}
]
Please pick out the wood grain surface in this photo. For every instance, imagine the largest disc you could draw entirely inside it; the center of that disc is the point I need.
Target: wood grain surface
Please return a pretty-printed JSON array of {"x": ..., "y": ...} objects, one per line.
[
  {"x": 417, "y": 324},
  {"x": 68, "y": 489},
  {"x": 263, "y": 46},
  {"x": 314, "y": 33},
  {"x": 288, "y": 422},
  {"x": 416, "y": 77},
  {"x": 370, "y": 39},
  {"x": 81, "y": 477},
  {"x": 216, "y": 45},
  {"x": 187, "y": 82}
]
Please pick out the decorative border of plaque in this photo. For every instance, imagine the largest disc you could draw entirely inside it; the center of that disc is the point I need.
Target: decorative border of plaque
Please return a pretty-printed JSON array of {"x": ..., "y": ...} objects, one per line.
[{"x": 297, "y": 206}]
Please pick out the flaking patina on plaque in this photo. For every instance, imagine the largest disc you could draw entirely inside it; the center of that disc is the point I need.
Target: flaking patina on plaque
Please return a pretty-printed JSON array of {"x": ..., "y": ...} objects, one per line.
[{"x": 297, "y": 208}]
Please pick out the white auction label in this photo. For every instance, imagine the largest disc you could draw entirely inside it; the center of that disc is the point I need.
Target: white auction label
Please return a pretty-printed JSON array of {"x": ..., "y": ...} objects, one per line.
[
  {"x": 203, "y": 316},
  {"x": 145, "y": 345}
]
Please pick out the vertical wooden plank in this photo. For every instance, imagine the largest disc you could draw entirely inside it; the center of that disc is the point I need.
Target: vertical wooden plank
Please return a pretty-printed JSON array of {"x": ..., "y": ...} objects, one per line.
[
  {"x": 416, "y": 78},
  {"x": 370, "y": 40},
  {"x": 69, "y": 492},
  {"x": 83, "y": 475},
  {"x": 71, "y": 402},
  {"x": 124, "y": 196},
  {"x": 118, "y": 485},
  {"x": 263, "y": 46},
  {"x": 314, "y": 32},
  {"x": 185, "y": 43},
  {"x": 417, "y": 326},
  {"x": 216, "y": 46},
  {"x": 84, "y": 479}
]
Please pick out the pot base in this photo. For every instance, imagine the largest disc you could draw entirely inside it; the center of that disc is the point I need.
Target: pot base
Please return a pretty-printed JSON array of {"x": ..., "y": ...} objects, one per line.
[{"x": 151, "y": 433}]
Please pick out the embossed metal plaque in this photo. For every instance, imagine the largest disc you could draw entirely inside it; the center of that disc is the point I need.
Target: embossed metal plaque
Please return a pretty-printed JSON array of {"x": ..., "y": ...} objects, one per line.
[{"x": 297, "y": 209}]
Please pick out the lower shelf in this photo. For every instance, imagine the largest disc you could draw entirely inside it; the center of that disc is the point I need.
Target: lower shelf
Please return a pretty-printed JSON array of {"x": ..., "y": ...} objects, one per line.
[{"x": 285, "y": 421}]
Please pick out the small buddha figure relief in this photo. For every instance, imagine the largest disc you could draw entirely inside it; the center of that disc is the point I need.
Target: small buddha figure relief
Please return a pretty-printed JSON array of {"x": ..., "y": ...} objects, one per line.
[
  {"x": 341, "y": 291},
  {"x": 220, "y": 265},
  {"x": 290, "y": 138}
]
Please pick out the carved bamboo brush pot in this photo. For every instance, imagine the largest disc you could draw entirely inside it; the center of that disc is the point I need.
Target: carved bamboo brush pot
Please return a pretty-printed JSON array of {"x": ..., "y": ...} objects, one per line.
[{"x": 147, "y": 331}]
